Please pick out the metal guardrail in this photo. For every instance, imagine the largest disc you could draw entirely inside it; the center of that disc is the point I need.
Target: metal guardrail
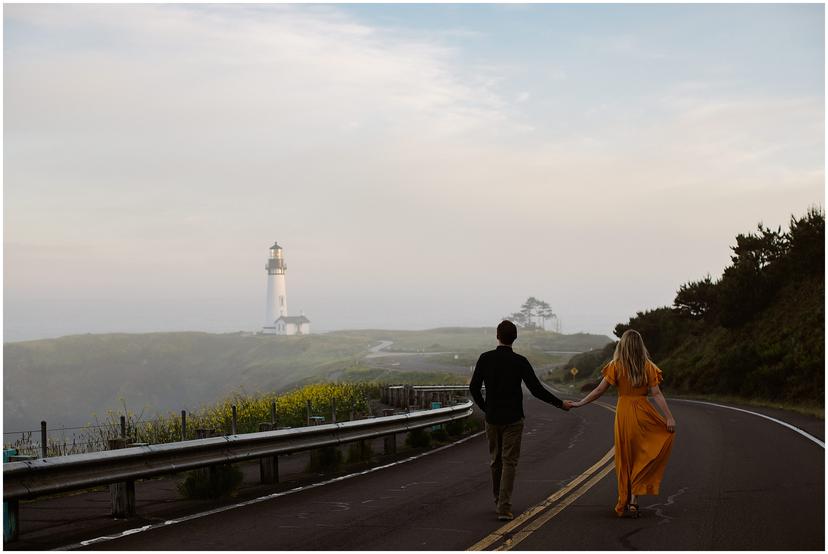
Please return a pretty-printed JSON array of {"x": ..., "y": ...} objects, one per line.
[
  {"x": 42, "y": 476},
  {"x": 448, "y": 388},
  {"x": 422, "y": 396}
]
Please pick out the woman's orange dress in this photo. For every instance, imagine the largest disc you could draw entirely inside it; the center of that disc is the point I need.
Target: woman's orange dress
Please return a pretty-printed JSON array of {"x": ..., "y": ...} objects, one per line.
[{"x": 642, "y": 442}]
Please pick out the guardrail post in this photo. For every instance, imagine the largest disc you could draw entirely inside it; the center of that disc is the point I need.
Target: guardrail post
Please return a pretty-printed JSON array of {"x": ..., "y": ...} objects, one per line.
[
  {"x": 308, "y": 410},
  {"x": 390, "y": 443},
  {"x": 233, "y": 420},
  {"x": 11, "y": 521},
  {"x": 11, "y": 509},
  {"x": 183, "y": 425},
  {"x": 123, "y": 494},
  {"x": 333, "y": 410},
  {"x": 268, "y": 465},
  {"x": 273, "y": 414},
  {"x": 123, "y": 427}
]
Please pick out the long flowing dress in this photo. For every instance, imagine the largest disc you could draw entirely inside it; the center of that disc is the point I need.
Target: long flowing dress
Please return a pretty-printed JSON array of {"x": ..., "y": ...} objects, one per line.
[{"x": 642, "y": 442}]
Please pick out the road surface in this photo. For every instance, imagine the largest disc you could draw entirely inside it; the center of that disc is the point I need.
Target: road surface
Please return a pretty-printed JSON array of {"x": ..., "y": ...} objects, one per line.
[{"x": 734, "y": 481}]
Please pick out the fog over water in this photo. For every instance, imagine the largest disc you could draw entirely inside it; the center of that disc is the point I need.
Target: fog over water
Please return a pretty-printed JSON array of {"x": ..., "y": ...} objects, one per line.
[{"x": 421, "y": 165}]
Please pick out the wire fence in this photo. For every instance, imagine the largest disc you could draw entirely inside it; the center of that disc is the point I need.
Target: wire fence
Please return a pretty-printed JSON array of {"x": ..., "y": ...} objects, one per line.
[{"x": 310, "y": 405}]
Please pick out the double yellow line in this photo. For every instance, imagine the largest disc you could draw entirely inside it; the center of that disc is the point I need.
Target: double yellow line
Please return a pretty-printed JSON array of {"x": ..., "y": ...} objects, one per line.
[{"x": 517, "y": 530}]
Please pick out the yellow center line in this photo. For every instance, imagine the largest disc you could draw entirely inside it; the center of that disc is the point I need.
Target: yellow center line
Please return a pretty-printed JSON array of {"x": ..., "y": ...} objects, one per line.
[
  {"x": 519, "y": 537},
  {"x": 492, "y": 538}
]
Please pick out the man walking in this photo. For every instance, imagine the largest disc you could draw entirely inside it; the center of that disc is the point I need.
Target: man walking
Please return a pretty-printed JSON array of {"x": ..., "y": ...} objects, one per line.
[{"x": 502, "y": 371}]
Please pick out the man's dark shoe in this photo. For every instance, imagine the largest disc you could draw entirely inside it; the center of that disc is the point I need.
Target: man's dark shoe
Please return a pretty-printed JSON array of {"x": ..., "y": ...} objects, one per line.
[{"x": 505, "y": 516}]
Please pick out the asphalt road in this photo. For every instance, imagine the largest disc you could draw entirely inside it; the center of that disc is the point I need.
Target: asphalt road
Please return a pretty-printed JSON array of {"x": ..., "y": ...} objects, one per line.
[{"x": 735, "y": 481}]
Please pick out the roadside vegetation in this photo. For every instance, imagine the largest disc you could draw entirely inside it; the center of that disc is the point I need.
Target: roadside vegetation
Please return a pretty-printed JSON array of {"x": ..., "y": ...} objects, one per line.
[
  {"x": 65, "y": 380},
  {"x": 754, "y": 335}
]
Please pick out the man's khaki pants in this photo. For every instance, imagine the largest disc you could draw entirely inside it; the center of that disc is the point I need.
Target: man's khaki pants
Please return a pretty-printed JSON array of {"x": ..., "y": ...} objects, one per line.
[{"x": 504, "y": 449}]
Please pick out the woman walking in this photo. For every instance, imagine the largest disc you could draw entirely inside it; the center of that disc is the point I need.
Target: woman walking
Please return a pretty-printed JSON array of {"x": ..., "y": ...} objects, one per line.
[{"x": 643, "y": 438}]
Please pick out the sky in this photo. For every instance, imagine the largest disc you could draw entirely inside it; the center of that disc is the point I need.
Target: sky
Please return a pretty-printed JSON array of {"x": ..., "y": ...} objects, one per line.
[{"x": 421, "y": 165}]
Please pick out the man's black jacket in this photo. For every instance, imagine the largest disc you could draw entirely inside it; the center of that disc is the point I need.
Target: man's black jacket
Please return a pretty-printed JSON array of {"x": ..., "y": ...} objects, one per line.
[{"x": 502, "y": 370}]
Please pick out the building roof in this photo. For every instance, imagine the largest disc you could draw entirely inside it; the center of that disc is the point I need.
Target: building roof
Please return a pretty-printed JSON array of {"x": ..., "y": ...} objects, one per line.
[
  {"x": 275, "y": 246},
  {"x": 294, "y": 319}
]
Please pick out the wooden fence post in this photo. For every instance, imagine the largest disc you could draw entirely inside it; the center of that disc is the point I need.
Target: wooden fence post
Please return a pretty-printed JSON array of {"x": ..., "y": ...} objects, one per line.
[
  {"x": 268, "y": 465},
  {"x": 44, "y": 444},
  {"x": 183, "y": 425},
  {"x": 390, "y": 443},
  {"x": 233, "y": 420},
  {"x": 123, "y": 494}
]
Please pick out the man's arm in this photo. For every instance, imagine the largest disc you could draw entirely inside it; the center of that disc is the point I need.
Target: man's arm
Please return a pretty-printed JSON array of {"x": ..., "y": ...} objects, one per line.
[
  {"x": 476, "y": 384},
  {"x": 537, "y": 389}
]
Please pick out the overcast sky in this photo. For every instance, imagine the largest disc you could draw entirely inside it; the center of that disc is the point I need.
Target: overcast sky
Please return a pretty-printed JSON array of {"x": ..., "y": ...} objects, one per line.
[{"x": 421, "y": 165}]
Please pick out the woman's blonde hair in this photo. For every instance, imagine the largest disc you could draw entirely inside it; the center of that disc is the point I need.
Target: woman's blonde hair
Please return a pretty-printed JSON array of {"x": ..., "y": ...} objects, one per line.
[{"x": 631, "y": 355}]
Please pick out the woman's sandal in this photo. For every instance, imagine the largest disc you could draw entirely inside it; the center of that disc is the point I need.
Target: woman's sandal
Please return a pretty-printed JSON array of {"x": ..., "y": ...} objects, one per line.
[{"x": 633, "y": 511}]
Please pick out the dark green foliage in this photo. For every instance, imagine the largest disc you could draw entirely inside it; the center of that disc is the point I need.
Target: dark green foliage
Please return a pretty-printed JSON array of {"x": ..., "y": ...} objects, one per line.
[
  {"x": 216, "y": 482},
  {"x": 661, "y": 328},
  {"x": 758, "y": 332},
  {"x": 472, "y": 424},
  {"x": 696, "y": 299},
  {"x": 325, "y": 459},
  {"x": 455, "y": 428},
  {"x": 418, "y": 438},
  {"x": 440, "y": 435},
  {"x": 359, "y": 451},
  {"x": 590, "y": 363}
]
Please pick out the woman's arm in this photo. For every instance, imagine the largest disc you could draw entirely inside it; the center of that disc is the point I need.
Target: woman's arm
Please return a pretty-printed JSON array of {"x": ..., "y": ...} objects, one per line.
[
  {"x": 662, "y": 405},
  {"x": 594, "y": 395}
]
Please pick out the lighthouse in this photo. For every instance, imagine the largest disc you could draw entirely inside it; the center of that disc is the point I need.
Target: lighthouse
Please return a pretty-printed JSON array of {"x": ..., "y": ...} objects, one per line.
[{"x": 277, "y": 321}]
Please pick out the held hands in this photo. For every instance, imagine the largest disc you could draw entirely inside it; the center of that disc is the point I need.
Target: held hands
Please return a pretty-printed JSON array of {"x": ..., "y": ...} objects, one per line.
[{"x": 568, "y": 404}]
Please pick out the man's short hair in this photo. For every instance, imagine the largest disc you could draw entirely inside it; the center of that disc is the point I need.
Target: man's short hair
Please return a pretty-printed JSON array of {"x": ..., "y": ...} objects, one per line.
[{"x": 506, "y": 332}]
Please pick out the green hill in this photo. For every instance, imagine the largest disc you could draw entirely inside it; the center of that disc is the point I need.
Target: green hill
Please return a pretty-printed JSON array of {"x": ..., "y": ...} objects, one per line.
[
  {"x": 756, "y": 333},
  {"x": 67, "y": 380}
]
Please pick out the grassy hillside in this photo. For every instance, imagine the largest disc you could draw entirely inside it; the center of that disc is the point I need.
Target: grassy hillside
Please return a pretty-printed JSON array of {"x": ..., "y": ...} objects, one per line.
[
  {"x": 477, "y": 339},
  {"x": 67, "y": 380}
]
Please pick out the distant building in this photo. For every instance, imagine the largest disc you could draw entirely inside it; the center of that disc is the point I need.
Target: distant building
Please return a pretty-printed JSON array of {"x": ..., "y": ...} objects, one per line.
[
  {"x": 292, "y": 325},
  {"x": 276, "y": 302}
]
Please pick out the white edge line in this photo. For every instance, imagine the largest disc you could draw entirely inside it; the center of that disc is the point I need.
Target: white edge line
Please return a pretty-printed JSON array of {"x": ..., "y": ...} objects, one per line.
[
  {"x": 136, "y": 530},
  {"x": 788, "y": 425}
]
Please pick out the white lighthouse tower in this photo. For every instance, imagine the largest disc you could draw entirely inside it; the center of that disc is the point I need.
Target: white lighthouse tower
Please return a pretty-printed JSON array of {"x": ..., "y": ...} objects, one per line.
[
  {"x": 276, "y": 290},
  {"x": 277, "y": 320}
]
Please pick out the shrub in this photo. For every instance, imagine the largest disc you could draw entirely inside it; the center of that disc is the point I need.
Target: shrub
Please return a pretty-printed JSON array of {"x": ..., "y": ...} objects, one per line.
[
  {"x": 325, "y": 459},
  {"x": 216, "y": 482},
  {"x": 359, "y": 451},
  {"x": 440, "y": 435},
  {"x": 418, "y": 438},
  {"x": 473, "y": 424},
  {"x": 455, "y": 428}
]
